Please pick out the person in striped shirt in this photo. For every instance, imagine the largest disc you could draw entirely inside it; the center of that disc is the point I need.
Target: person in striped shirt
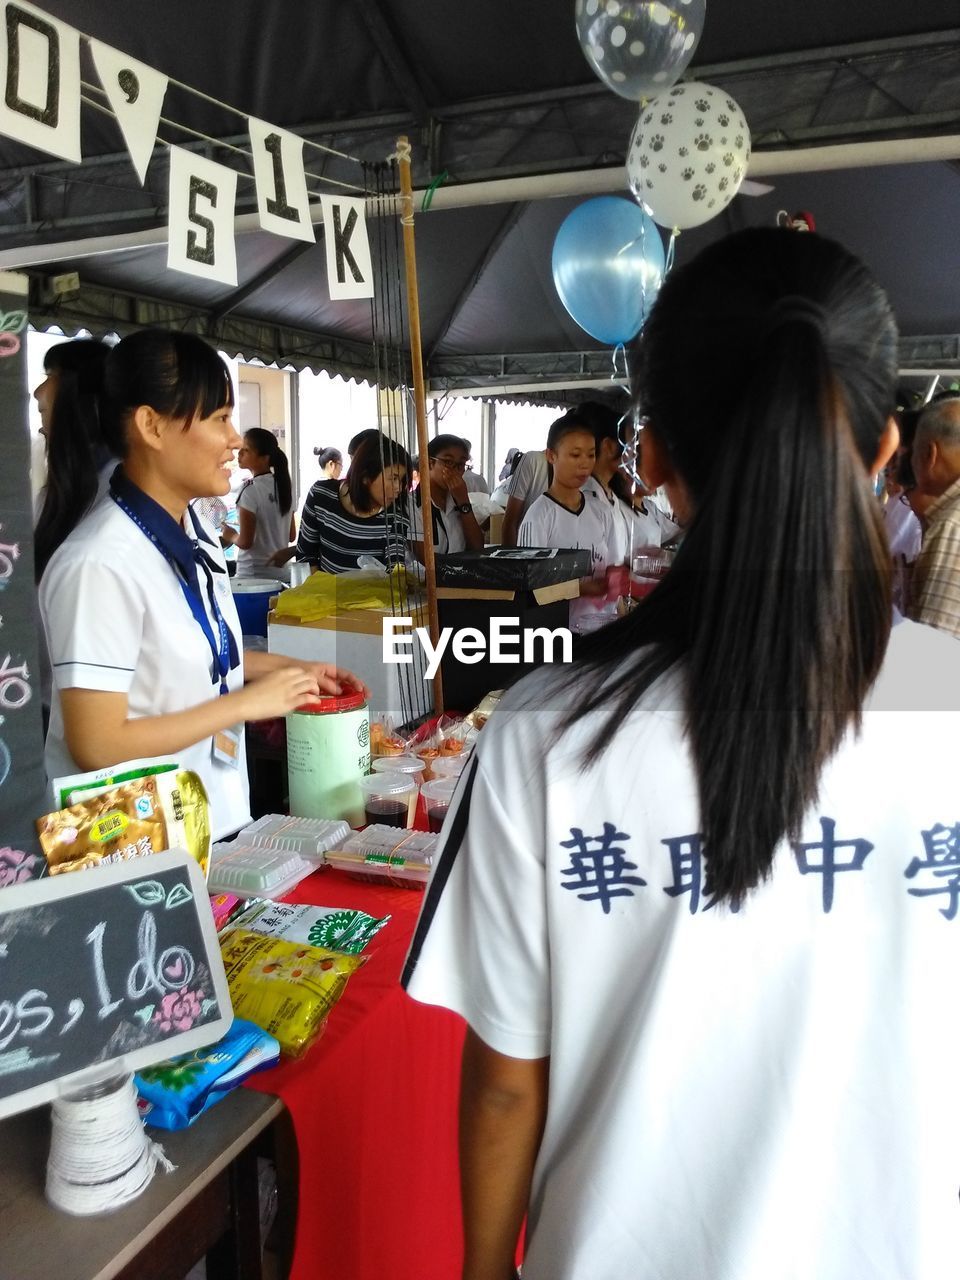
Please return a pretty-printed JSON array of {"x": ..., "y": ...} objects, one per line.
[{"x": 365, "y": 514}]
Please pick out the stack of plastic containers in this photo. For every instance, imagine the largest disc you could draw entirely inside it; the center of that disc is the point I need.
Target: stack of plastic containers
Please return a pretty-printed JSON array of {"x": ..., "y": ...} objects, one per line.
[
  {"x": 272, "y": 856},
  {"x": 386, "y": 855}
]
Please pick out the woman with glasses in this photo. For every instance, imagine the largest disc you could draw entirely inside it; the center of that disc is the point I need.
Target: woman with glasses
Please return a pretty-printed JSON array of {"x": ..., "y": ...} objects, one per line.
[{"x": 455, "y": 527}]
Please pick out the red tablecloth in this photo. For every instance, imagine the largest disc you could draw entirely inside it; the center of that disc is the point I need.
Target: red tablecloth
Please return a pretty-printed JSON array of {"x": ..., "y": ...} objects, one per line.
[{"x": 374, "y": 1105}]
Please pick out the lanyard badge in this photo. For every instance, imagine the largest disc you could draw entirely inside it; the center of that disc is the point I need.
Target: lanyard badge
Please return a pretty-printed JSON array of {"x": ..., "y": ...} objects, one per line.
[{"x": 185, "y": 557}]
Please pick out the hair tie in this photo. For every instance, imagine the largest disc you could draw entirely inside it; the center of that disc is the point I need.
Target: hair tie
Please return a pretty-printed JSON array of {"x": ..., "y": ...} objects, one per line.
[{"x": 795, "y": 308}]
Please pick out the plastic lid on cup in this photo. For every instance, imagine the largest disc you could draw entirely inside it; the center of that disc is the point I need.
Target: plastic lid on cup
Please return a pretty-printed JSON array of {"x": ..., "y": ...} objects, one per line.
[
  {"x": 439, "y": 791},
  {"x": 336, "y": 702},
  {"x": 387, "y": 784},
  {"x": 450, "y": 766},
  {"x": 397, "y": 764}
]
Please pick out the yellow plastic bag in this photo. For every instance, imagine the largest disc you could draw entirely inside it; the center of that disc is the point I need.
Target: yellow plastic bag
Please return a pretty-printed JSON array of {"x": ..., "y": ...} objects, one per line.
[
  {"x": 286, "y": 988},
  {"x": 326, "y": 594}
]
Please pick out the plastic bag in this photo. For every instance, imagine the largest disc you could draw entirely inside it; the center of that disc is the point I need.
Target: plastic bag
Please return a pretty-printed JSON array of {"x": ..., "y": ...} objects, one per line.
[
  {"x": 287, "y": 988},
  {"x": 147, "y": 815},
  {"x": 335, "y": 928},
  {"x": 173, "y": 1093},
  {"x": 384, "y": 739},
  {"x": 326, "y": 594}
]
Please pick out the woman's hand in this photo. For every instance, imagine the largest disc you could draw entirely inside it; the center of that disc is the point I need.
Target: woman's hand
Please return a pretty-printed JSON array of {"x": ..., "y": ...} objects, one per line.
[
  {"x": 329, "y": 678},
  {"x": 278, "y": 693},
  {"x": 280, "y": 558},
  {"x": 455, "y": 484},
  {"x": 337, "y": 680}
]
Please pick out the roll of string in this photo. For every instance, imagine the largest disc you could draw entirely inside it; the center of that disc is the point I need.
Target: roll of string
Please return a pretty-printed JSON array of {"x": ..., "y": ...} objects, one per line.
[{"x": 100, "y": 1156}]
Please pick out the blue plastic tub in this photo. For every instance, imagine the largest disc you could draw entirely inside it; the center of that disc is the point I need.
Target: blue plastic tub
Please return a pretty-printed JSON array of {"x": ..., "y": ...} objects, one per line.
[{"x": 252, "y": 597}]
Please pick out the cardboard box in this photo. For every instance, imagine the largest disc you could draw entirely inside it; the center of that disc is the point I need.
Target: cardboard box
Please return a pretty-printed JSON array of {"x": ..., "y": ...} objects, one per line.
[{"x": 354, "y": 639}]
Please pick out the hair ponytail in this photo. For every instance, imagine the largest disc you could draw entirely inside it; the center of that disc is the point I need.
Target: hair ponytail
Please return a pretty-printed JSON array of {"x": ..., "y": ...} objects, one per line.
[
  {"x": 265, "y": 443},
  {"x": 778, "y": 607},
  {"x": 76, "y": 448}
]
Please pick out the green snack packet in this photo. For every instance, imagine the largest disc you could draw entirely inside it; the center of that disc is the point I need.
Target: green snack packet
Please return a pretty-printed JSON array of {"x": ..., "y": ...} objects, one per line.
[{"x": 336, "y": 928}]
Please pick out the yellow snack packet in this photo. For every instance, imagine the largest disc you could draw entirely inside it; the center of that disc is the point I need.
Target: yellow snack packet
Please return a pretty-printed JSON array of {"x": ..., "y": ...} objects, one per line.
[{"x": 286, "y": 988}]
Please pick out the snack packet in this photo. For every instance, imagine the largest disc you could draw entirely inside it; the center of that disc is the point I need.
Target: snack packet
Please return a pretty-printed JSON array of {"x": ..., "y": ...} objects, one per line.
[
  {"x": 384, "y": 740},
  {"x": 85, "y": 786},
  {"x": 175, "y": 1092},
  {"x": 331, "y": 927},
  {"x": 133, "y": 820},
  {"x": 284, "y": 987},
  {"x": 224, "y": 907}
]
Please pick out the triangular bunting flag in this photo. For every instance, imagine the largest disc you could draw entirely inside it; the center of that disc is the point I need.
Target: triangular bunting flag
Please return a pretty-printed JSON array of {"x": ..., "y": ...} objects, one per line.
[{"x": 136, "y": 94}]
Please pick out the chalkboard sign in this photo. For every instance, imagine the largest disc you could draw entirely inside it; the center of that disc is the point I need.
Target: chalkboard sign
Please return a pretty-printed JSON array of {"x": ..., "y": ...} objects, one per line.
[
  {"x": 116, "y": 964},
  {"x": 22, "y": 780}
]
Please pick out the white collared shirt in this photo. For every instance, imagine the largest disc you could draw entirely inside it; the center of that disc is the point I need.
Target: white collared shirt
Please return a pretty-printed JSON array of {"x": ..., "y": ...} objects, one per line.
[
  {"x": 116, "y": 620},
  {"x": 449, "y": 536}
]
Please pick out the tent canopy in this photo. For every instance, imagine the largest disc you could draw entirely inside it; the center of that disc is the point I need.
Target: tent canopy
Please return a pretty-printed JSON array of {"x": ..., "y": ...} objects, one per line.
[{"x": 486, "y": 91}]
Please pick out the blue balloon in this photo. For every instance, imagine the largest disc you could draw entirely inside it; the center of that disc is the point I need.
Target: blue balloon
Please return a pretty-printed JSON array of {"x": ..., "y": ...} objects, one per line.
[{"x": 608, "y": 266}]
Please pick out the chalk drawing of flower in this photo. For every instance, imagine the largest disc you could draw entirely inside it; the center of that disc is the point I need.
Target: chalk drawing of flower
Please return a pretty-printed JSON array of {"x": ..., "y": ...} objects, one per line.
[
  {"x": 178, "y": 1010},
  {"x": 17, "y": 867}
]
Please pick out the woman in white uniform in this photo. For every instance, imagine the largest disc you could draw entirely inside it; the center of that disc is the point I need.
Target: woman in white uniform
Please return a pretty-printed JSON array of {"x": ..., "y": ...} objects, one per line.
[
  {"x": 265, "y": 507},
  {"x": 140, "y": 621},
  {"x": 706, "y": 952},
  {"x": 566, "y": 517}
]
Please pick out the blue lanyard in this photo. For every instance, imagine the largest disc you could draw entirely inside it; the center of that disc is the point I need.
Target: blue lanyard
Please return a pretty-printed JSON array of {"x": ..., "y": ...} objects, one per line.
[{"x": 183, "y": 555}]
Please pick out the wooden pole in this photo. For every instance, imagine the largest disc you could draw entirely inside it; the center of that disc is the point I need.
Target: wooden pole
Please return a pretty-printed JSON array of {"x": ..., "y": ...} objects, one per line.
[{"x": 420, "y": 400}]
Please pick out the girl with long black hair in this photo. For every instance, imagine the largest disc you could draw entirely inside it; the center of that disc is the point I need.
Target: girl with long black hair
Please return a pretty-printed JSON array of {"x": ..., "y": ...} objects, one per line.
[
  {"x": 78, "y": 457},
  {"x": 706, "y": 951},
  {"x": 140, "y": 621},
  {"x": 265, "y": 506}
]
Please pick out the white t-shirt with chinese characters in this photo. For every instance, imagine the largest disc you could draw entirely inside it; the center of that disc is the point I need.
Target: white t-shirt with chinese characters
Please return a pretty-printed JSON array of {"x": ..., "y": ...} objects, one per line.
[
  {"x": 448, "y": 535},
  {"x": 754, "y": 1095},
  {"x": 531, "y": 478},
  {"x": 549, "y": 523},
  {"x": 116, "y": 620},
  {"x": 272, "y": 533}
]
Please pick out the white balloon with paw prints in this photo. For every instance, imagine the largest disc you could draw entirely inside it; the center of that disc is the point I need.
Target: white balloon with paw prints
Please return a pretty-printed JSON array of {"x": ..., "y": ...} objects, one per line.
[{"x": 688, "y": 155}]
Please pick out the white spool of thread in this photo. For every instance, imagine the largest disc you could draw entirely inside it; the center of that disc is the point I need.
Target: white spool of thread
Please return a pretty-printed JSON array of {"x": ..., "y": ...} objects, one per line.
[{"x": 100, "y": 1156}]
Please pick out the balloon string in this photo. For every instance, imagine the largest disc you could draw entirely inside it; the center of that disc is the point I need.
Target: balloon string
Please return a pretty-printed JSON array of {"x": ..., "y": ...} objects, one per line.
[
  {"x": 619, "y": 350},
  {"x": 671, "y": 251}
]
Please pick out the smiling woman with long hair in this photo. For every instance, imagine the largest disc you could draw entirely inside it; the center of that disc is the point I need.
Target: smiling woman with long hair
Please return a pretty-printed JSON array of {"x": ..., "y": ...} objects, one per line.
[
  {"x": 706, "y": 951},
  {"x": 141, "y": 626}
]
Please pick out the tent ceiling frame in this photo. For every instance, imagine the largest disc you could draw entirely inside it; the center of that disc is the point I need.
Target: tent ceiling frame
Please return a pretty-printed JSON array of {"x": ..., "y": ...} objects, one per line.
[
  {"x": 106, "y": 310},
  {"x": 388, "y": 47},
  {"x": 841, "y": 55},
  {"x": 583, "y": 182}
]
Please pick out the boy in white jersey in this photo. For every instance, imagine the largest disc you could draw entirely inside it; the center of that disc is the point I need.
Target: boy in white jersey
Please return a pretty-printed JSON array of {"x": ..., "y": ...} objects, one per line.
[{"x": 567, "y": 518}]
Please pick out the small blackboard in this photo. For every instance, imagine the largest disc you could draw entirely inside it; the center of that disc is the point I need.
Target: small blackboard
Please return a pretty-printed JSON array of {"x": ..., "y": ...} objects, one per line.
[{"x": 111, "y": 965}]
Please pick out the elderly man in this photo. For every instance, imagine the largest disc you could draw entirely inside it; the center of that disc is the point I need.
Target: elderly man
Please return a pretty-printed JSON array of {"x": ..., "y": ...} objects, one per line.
[{"x": 936, "y": 465}]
